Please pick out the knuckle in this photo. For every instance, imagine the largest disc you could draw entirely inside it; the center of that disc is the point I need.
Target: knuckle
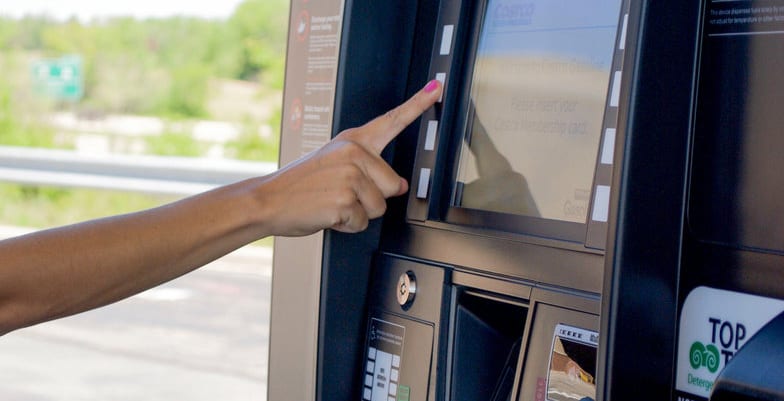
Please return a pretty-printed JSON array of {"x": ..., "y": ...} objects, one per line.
[
  {"x": 352, "y": 221},
  {"x": 352, "y": 174},
  {"x": 345, "y": 198},
  {"x": 347, "y": 134},
  {"x": 359, "y": 222},
  {"x": 335, "y": 220},
  {"x": 355, "y": 150},
  {"x": 377, "y": 210},
  {"x": 393, "y": 114},
  {"x": 363, "y": 225},
  {"x": 351, "y": 149},
  {"x": 393, "y": 117}
]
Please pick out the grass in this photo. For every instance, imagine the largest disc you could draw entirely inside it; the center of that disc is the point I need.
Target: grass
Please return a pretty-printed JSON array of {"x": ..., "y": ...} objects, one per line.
[{"x": 43, "y": 207}]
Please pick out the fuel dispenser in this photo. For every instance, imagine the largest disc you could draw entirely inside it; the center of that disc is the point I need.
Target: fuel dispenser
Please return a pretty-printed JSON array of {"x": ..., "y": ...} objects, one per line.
[{"x": 592, "y": 213}]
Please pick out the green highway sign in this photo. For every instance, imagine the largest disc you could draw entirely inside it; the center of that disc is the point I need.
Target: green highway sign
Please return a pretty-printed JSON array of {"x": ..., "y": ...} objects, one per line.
[{"x": 60, "y": 79}]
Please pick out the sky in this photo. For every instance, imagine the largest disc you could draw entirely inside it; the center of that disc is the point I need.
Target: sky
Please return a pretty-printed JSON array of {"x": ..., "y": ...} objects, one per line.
[{"x": 86, "y": 10}]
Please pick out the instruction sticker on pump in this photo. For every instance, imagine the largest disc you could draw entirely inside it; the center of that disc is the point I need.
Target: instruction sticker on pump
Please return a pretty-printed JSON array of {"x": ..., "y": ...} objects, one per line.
[
  {"x": 382, "y": 370},
  {"x": 714, "y": 325}
]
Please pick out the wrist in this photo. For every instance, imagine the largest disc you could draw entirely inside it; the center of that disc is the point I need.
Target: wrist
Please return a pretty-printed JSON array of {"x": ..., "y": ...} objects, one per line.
[{"x": 258, "y": 204}]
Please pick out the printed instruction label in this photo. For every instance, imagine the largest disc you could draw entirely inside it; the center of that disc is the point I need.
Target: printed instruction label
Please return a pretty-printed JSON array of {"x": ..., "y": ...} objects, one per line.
[{"x": 382, "y": 373}]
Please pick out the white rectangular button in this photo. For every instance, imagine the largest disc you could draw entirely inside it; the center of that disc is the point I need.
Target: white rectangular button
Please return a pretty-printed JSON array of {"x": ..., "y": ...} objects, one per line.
[
  {"x": 615, "y": 96},
  {"x": 394, "y": 375},
  {"x": 366, "y": 395},
  {"x": 392, "y": 389},
  {"x": 370, "y": 366},
  {"x": 446, "y": 39},
  {"x": 441, "y": 77},
  {"x": 608, "y": 146},
  {"x": 381, "y": 376},
  {"x": 396, "y": 359},
  {"x": 601, "y": 203},
  {"x": 371, "y": 353},
  {"x": 430, "y": 137},
  {"x": 622, "y": 45},
  {"x": 424, "y": 184},
  {"x": 368, "y": 380}
]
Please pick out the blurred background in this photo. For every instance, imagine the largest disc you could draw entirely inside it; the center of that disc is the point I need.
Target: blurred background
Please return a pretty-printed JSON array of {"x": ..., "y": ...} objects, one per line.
[{"x": 99, "y": 103}]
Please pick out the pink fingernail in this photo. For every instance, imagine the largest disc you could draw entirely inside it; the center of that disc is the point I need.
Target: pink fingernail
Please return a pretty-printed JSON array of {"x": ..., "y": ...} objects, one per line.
[{"x": 431, "y": 86}]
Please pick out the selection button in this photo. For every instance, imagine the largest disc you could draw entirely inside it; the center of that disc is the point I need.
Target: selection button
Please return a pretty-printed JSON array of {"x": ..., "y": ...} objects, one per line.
[
  {"x": 430, "y": 136},
  {"x": 441, "y": 77},
  {"x": 424, "y": 183},
  {"x": 446, "y": 40}
]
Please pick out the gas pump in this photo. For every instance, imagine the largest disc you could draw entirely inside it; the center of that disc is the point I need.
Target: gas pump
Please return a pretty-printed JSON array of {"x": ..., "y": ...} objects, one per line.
[{"x": 592, "y": 213}]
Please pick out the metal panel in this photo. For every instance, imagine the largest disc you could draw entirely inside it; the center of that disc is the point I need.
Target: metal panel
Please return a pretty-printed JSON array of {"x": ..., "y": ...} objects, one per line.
[{"x": 296, "y": 277}]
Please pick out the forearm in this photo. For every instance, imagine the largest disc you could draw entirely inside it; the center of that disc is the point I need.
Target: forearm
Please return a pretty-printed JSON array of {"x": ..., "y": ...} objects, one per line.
[{"x": 68, "y": 270}]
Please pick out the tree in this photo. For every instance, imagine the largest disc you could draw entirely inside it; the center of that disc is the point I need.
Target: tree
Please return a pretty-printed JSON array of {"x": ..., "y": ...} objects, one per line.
[{"x": 262, "y": 26}]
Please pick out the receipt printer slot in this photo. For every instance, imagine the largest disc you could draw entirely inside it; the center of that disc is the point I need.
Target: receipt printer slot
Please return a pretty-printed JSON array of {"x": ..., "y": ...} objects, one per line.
[{"x": 488, "y": 332}]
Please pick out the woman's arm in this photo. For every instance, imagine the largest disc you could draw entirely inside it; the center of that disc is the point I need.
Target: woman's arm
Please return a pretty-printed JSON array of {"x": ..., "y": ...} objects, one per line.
[{"x": 67, "y": 270}]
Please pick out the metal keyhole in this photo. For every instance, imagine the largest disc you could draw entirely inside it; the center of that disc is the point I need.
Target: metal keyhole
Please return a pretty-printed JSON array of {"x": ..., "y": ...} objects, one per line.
[{"x": 406, "y": 288}]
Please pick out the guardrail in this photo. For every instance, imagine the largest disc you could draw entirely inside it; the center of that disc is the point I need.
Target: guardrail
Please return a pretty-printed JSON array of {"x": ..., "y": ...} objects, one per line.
[{"x": 145, "y": 174}]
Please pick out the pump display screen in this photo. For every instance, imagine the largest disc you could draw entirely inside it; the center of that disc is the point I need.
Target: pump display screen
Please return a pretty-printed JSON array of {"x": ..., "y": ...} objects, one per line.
[
  {"x": 572, "y": 372},
  {"x": 537, "y": 97}
]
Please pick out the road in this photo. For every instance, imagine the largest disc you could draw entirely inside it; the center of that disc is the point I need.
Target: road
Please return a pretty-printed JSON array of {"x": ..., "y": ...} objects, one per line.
[{"x": 203, "y": 336}]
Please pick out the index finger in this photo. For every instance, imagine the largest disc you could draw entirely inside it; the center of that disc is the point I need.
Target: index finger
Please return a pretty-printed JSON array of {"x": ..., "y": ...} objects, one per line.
[{"x": 376, "y": 134}]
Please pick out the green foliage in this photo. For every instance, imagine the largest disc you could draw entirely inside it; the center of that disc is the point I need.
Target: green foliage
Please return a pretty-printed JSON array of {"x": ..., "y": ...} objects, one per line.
[
  {"x": 24, "y": 34},
  {"x": 262, "y": 26},
  {"x": 159, "y": 67},
  {"x": 16, "y": 129},
  {"x": 188, "y": 92},
  {"x": 29, "y": 206},
  {"x": 8, "y": 29},
  {"x": 251, "y": 146},
  {"x": 174, "y": 144},
  {"x": 172, "y": 57}
]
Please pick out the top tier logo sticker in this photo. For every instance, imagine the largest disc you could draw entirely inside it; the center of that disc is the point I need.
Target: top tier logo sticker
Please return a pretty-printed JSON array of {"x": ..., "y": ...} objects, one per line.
[{"x": 702, "y": 356}]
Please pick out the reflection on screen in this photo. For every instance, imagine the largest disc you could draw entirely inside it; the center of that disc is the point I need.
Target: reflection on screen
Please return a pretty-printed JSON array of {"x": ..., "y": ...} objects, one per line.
[
  {"x": 538, "y": 93},
  {"x": 572, "y": 371}
]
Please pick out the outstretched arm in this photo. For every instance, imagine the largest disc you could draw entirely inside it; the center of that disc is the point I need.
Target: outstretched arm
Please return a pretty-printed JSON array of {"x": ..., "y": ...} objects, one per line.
[{"x": 63, "y": 271}]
